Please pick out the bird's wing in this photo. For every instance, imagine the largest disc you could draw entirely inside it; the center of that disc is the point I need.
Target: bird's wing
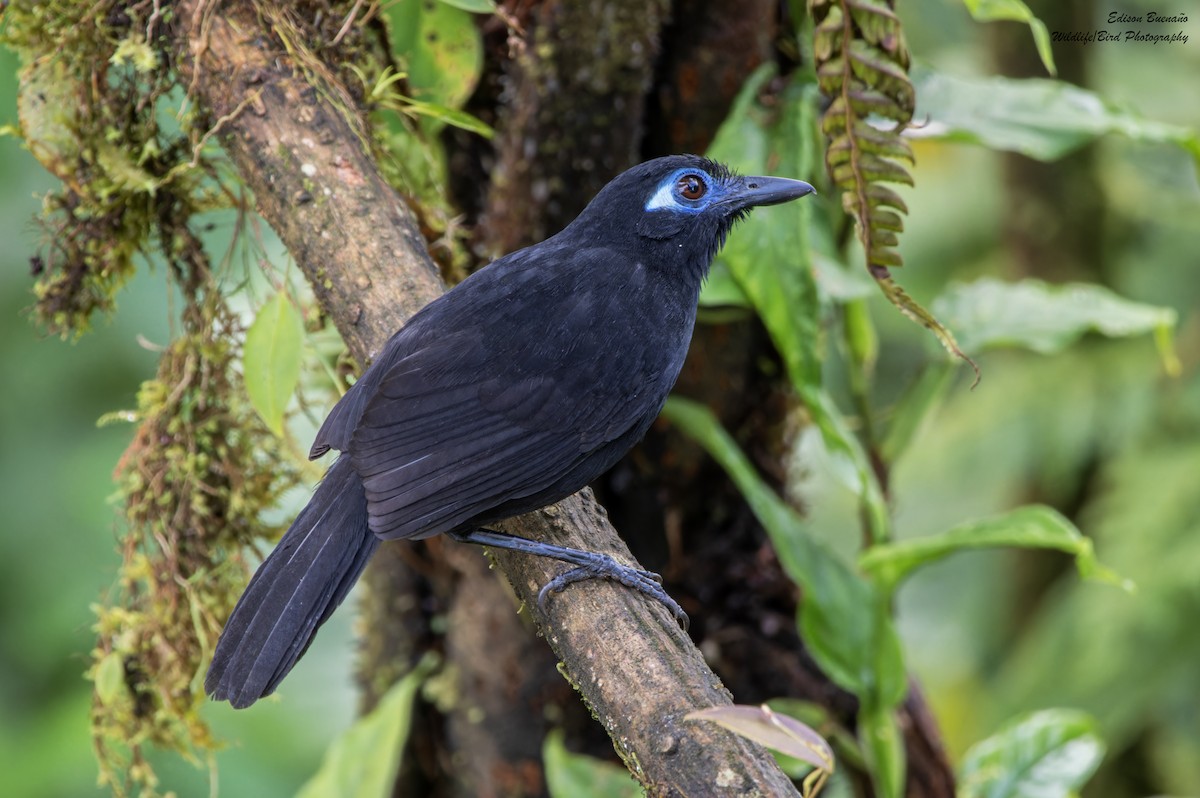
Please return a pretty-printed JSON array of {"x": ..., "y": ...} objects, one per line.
[{"x": 529, "y": 372}]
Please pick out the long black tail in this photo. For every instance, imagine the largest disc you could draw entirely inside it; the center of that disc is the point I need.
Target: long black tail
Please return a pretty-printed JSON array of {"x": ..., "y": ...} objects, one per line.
[{"x": 295, "y": 590}]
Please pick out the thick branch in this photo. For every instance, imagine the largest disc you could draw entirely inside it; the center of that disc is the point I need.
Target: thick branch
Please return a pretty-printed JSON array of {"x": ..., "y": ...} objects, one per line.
[{"x": 301, "y": 153}]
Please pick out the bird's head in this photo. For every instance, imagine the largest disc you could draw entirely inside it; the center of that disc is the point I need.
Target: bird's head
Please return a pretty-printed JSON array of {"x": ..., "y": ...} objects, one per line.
[{"x": 682, "y": 205}]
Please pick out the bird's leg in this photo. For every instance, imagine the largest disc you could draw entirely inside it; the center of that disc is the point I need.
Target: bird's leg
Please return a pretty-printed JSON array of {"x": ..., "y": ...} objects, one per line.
[{"x": 588, "y": 565}]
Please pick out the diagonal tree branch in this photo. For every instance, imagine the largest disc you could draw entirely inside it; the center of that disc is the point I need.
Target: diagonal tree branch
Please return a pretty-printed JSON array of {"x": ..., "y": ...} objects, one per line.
[{"x": 299, "y": 145}]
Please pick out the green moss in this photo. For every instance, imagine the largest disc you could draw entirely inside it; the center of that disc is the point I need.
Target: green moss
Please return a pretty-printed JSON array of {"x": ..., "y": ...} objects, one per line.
[
  {"x": 199, "y": 473},
  {"x": 99, "y": 109},
  {"x": 92, "y": 95}
]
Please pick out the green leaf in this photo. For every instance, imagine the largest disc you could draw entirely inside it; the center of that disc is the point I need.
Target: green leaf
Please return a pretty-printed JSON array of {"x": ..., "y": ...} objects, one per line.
[
  {"x": 474, "y": 6},
  {"x": 1016, "y": 11},
  {"x": 451, "y": 116},
  {"x": 440, "y": 49},
  {"x": 770, "y": 258},
  {"x": 850, "y": 461},
  {"x": 1048, "y": 754},
  {"x": 843, "y": 620},
  {"x": 1047, "y": 318},
  {"x": 1031, "y": 527},
  {"x": 109, "y": 677},
  {"x": 571, "y": 775},
  {"x": 271, "y": 359},
  {"x": 364, "y": 760},
  {"x": 768, "y": 254},
  {"x": 1044, "y": 119}
]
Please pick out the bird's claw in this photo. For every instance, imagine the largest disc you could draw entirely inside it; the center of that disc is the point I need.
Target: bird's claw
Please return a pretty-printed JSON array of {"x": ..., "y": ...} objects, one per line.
[{"x": 645, "y": 582}]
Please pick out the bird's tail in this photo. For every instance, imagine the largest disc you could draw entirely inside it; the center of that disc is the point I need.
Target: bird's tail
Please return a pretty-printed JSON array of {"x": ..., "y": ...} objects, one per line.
[{"x": 294, "y": 591}]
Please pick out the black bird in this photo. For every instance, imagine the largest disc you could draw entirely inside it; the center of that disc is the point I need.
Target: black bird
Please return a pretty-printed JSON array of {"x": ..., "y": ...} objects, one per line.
[{"x": 510, "y": 392}]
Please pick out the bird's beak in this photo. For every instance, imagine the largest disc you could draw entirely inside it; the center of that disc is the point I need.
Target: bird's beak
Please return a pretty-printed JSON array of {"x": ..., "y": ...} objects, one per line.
[{"x": 754, "y": 191}]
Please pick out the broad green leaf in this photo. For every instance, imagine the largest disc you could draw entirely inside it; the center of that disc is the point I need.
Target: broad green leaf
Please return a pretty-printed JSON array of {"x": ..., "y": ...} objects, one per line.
[
  {"x": 571, "y": 775},
  {"x": 768, "y": 254},
  {"x": 1048, "y": 754},
  {"x": 1031, "y": 527},
  {"x": 845, "y": 624},
  {"x": 769, "y": 257},
  {"x": 1047, "y": 318},
  {"x": 271, "y": 359},
  {"x": 1044, "y": 119},
  {"x": 1016, "y": 11},
  {"x": 364, "y": 760},
  {"x": 439, "y": 48}
]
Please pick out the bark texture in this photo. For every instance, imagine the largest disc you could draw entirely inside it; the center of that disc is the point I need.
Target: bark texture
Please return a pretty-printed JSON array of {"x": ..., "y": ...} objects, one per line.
[
  {"x": 572, "y": 119},
  {"x": 709, "y": 49},
  {"x": 298, "y": 142}
]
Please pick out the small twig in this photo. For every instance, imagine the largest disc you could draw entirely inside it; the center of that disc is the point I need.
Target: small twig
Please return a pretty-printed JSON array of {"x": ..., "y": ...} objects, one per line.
[
  {"x": 198, "y": 43},
  {"x": 154, "y": 17},
  {"x": 220, "y": 123},
  {"x": 349, "y": 21}
]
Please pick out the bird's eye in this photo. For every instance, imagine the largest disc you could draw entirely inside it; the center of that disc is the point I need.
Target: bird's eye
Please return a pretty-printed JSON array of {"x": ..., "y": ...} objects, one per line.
[{"x": 691, "y": 187}]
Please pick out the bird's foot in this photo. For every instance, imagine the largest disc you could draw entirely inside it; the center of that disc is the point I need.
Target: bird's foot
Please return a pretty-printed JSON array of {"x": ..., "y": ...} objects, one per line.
[
  {"x": 605, "y": 567},
  {"x": 588, "y": 565}
]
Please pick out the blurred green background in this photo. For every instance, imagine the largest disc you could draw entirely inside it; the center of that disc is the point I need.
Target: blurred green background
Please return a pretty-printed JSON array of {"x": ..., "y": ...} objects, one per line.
[{"x": 1098, "y": 431}]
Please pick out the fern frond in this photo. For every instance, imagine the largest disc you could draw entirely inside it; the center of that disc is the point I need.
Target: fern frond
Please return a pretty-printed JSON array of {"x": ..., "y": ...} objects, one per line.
[{"x": 862, "y": 67}]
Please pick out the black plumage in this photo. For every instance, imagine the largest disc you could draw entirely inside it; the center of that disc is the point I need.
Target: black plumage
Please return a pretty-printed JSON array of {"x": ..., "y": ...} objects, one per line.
[{"x": 512, "y": 391}]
